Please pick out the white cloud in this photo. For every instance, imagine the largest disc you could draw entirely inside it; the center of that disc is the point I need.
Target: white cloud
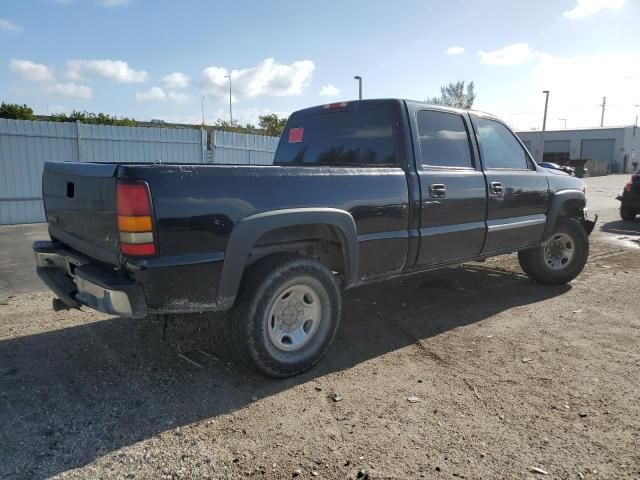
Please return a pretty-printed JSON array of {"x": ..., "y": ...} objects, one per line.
[
  {"x": 455, "y": 50},
  {"x": 329, "y": 91},
  {"x": 577, "y": 85},
  {"x": 116, "y": 70},
  {"x": 587, "y": 8},
  {"x": 515, "y": 54},
  {"x": 9, "y": 26},
  {"x": 583, "y": 80},
  {"x": 179, "y": 98},
  {"x": 267, "y": 78},
  {"x": 158, "y": 94},
  {"x": 29, "y": 70},
  {"x": 71, "y": 89},
  {"x": 113, "y": 3},
  {"x": 154, "y": 93},
  {"x": 176, "y": 80}
]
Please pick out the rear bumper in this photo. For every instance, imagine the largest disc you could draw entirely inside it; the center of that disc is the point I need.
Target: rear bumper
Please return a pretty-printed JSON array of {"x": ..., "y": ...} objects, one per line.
[{"x": 77, "y": 282}]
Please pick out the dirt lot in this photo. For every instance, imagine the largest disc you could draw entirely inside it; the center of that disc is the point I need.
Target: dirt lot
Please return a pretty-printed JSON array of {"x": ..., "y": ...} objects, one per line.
[{"x": 508, "y": 375}]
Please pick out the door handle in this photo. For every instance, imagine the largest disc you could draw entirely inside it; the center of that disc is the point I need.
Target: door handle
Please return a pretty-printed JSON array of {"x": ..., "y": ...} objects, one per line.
[
  {"x": 495, "y": 188},
  {"x": 437, "y": 190}
]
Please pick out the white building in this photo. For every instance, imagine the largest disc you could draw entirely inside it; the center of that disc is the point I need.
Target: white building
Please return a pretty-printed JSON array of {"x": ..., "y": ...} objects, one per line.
[{"x": 606, "y": 149}]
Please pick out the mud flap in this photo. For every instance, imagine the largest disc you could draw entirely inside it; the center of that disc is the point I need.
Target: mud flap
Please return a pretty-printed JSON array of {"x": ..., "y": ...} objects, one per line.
[{"x": 589, "y": 225}]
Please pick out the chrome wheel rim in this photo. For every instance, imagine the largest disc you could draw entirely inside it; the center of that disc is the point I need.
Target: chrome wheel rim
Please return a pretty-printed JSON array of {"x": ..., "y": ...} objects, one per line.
[
  {"x": 294, "y": 317},
  {"x": 558, "y": 251}
]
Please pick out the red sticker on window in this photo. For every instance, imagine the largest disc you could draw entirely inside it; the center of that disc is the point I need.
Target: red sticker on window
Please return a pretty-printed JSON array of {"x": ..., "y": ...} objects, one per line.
[{"x": 296, "y": 134}]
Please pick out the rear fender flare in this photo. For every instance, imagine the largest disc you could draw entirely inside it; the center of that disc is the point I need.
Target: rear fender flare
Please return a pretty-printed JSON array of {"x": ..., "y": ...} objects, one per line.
[
  {"x": 558, "y": 203},
  {"x": 248, "y": 230}
]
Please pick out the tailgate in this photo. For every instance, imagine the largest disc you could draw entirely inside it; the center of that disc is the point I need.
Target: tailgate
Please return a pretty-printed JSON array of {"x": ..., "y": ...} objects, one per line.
[{"x": 80, "y": 204}]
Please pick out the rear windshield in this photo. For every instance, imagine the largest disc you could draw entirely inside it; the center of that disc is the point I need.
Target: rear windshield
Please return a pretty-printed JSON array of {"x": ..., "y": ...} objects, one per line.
[{"x": 359, "y": 137}]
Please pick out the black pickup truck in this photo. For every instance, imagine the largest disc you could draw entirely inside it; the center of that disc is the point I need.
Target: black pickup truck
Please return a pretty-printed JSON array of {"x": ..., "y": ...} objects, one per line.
[{"x": 359, "y": 191}]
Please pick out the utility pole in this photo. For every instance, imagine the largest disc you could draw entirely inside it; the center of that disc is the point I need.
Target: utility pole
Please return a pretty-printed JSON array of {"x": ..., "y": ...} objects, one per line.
[
  {"x": 544, "y": 124},
  {"x": 359, "y": 78},
  {"x": 604, "y": 106},
  {"x": 565, "y": 122},
  {"x": 230, "y": 108}
]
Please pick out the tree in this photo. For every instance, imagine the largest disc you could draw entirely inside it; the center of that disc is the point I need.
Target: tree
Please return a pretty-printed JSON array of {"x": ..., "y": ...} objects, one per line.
[
  {"x": 234, "y": 126},
  {"x": 269, "y": 124},
  {"x": 93, "y": 119},
  {"x": 453, "y": 95},
  {"x": 272, "y": 125},
  {"x": 15, "y": 111}
]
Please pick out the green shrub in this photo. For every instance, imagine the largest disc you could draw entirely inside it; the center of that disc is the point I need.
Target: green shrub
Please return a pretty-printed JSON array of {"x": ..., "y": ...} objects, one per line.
[{"x": 15, "y": 111}]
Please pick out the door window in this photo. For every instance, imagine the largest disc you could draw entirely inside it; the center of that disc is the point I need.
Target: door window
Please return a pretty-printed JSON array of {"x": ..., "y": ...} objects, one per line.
[
  {"x": 499, "y": 146},
  {"x": 443, "y": 139}
]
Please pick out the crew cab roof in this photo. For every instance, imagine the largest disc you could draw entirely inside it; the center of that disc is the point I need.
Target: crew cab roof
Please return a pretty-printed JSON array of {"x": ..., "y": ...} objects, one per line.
[{"x": 410, "y": 103}]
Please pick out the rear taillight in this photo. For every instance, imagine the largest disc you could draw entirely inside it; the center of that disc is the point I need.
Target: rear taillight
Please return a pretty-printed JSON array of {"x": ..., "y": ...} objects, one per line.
[
  {"x": 628, "y": 186},
  {"x": 135, "y": 219}
]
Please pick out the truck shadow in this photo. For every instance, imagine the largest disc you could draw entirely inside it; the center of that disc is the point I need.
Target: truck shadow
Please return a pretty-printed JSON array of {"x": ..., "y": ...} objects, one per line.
[
  {"x": 72, "y": 395},
  {"x": 621, "y": 227}
]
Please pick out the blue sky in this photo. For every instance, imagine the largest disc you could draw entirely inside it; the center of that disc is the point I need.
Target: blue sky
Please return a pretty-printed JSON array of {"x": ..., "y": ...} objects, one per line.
[{"x": 155, "y": 59}]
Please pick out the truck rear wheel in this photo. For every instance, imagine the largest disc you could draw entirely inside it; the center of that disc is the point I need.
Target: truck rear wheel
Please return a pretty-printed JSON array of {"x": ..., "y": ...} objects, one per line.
[
  {"x": 627, "y": 213},
  {"x": 285, "y": 316},
  {"x": 561, "y": 257}
]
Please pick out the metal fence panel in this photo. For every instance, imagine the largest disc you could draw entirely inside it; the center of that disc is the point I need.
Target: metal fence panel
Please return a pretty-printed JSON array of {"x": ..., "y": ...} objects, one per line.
[
  {"x": 242, "y": 149},
  {"x": 106, "y": 143},
  {"x": 25, "y": 146}
]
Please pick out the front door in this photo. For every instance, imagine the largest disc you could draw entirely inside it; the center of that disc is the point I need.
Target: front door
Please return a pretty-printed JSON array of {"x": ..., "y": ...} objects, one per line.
[
  {"x": 452, "y": 186},
  {"x": 518, "y": 193}
]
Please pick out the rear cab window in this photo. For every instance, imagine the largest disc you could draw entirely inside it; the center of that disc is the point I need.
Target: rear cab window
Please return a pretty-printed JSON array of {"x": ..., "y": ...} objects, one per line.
[{"x": 344, "y": 134}]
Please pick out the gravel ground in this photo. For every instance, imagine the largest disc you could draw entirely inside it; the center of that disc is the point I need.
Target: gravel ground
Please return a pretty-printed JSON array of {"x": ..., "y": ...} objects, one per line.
[{"x": 472, "y": 372}]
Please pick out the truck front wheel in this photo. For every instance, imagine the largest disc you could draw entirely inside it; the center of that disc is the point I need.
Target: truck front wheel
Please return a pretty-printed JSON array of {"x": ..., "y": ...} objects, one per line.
[
  {"x": 561, "y": 257},
  {"x": 285, "y": 316}
]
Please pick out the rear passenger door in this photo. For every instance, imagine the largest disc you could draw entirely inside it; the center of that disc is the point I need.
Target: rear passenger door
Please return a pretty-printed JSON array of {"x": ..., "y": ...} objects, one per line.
[
  {"x": 452, "y": 185},
  {"x": 518, "y": 193}
]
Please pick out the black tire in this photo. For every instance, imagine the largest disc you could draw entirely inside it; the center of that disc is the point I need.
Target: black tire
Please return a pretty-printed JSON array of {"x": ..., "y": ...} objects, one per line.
[
  {"x": 245, "y": 329},
  {"x": 627, "y": 214},
  {"x": 533, "y": 261}
]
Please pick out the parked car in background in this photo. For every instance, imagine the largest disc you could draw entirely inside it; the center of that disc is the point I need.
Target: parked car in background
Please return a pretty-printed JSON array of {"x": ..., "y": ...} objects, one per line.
[
  {"x": 630, "y": 198},
  {"x": 359, "y": 191},
  {"x": 562, "y": 168}
]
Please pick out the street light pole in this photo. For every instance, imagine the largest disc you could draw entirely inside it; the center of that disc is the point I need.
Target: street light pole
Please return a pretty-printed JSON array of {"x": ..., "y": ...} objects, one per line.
[
  {"x": 544, "y": 123},
  {"x": 546, "y": 104},
  {"x": 565, "y": 122},
  {"x": 359, "y": 78},
  {"x": 230, "y": 108},
  {"x": 203, "y": 110},
  {"x": 635, "y": 125}
]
